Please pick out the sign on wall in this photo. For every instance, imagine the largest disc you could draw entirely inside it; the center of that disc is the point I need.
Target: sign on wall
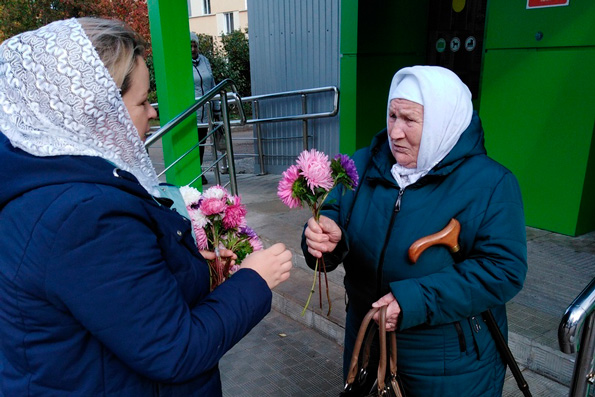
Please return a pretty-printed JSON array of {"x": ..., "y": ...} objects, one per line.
[{"x": 546, "y": 3}]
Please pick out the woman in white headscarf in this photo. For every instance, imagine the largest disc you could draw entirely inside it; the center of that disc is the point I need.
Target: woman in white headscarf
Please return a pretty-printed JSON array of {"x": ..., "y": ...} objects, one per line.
[
  {"x": 427, "y": 167},
  {"x": 102, "y": 289}
]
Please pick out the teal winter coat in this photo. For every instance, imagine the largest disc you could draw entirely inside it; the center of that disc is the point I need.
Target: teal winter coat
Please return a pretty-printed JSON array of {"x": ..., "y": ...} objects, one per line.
[{"x": 444, "y": 347}]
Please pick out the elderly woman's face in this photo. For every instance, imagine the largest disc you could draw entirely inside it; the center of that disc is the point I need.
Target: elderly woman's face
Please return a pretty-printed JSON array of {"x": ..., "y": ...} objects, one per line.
[
  {"x": 405, "y": 122},
  {"x": 194, "y": 49},
  {"x": 136, "y": 100}
]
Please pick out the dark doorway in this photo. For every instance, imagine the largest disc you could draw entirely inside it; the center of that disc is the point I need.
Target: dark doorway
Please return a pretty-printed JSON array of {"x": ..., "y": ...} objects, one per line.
[{"x": 455, "y": 38}]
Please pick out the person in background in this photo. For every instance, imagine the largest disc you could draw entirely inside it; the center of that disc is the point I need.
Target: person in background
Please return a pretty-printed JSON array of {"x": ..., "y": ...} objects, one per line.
[
  {"x": 102, "y": 288},
  {"x": 428, "y": 166},
  {"x": 203, "y": 83}
]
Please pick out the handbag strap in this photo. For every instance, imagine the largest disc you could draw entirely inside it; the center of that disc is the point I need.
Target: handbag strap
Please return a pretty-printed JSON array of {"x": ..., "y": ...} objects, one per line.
[
  {"x": 382, "y": 338},
  {"x": 358, "y": 345},
  {"x": 382, "y": 389}
]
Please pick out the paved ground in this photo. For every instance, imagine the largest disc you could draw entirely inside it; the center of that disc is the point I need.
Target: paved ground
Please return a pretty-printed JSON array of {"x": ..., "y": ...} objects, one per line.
[
  {"x": 306, "y": 360},
  {"x": 282, "y": 357}
]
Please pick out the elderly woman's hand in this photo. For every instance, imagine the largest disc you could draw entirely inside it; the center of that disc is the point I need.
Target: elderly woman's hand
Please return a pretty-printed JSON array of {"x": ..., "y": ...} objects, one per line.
[
  {"x": 322, "y": 236},
  {"x": 392, "y": 310}
]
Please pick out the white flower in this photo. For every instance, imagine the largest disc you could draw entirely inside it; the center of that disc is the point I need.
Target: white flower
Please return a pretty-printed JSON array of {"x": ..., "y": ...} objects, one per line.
[
  {"x": 215, "y": 192},
  {"x": 198, "y": 219},
  {"x": 190, "y": 195}
]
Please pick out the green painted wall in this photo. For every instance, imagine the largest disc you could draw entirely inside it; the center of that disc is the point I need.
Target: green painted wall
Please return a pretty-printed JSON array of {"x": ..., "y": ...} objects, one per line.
[
  {"x": 538, "y": 108},
  {"x": 170, "y": 37}
]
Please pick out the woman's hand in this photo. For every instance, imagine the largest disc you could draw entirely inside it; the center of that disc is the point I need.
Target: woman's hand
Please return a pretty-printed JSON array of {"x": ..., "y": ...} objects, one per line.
[
  {"x": 223, "y": 253},
  {"x": 392, "y": 310},
  {"x": 272, "y": 264},
  {"x": 322, "y": 236}
]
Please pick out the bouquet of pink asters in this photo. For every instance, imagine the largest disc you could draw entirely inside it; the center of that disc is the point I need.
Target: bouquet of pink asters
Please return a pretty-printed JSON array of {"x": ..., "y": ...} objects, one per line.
[
  {"x": 310, "y": 181},
  {"x": 219, "y": 221}
]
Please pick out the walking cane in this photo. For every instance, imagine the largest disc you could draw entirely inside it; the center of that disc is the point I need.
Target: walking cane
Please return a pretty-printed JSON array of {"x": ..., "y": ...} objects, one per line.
[{"x": 449, "y": 236}]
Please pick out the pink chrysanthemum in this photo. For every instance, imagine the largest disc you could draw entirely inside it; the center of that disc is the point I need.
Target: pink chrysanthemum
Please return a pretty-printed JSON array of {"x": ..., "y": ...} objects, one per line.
[
  {"x": 316, "y": 168},
  {"x": 202, "y": 242},
  {"x": 256, "y": 244},
  {"x": 285, "y": 189},
  {"x": 235, "y": 214},
  {"x": 212, "y": 206}
]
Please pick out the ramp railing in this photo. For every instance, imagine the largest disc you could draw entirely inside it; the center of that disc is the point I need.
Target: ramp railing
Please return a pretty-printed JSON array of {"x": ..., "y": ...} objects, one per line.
[{"x": 576, "y": 333}]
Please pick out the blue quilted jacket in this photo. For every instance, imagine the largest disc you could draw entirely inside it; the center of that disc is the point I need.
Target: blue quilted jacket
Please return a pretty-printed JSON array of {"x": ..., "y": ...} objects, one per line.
[
  {"x": 445, "y": 349},
  {"x": 102, "y": 291}
]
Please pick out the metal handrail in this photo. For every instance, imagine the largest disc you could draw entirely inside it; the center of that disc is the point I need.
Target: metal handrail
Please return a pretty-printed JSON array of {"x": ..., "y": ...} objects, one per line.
[
  {"x": 577, "y": 333},
  {"x": 217, "y": 92},
  {"x": 297, "y": 117},
  {"x": 211, "y": 95}
]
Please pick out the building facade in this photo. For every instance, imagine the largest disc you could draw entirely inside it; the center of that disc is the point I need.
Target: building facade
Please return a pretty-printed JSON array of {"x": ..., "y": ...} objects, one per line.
[{"x": 217, "y": 17}]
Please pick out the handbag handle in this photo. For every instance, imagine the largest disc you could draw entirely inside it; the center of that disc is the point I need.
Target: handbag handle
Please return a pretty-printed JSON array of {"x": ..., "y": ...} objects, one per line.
[
  {"x": 358, "y": 345},
  {"x": 382, "y": 334}
]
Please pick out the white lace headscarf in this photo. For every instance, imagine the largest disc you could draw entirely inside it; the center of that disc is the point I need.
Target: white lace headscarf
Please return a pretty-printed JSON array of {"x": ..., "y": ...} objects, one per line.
[
  {"x": 58, "y": 98},
  {"x": 447, "y": 114}
]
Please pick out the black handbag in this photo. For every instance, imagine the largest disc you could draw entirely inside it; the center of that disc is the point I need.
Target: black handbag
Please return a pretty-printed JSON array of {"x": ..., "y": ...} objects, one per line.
[{"x": 361, "y": 380}]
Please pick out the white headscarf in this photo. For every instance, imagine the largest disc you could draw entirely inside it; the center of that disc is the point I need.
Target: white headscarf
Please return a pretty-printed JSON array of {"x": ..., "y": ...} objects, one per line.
[
  {"x": 447, "y": 114},
  {"x": 58, "y": 98}
]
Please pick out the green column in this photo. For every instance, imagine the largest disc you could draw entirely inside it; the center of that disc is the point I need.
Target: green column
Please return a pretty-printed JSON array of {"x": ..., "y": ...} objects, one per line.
[
  {"x": 170, "y": 37},
  {"x": 348, "y": 76}
]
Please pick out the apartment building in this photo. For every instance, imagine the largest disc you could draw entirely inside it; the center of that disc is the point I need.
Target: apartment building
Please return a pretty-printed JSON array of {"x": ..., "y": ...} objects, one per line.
[{"x": 217, "y": 17}]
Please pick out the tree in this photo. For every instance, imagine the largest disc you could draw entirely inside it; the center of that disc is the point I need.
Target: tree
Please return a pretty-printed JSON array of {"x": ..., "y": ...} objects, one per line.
[
  {"x": 230, "y": 59},
  {"x": 19, "y": 16},
  {"x": 22, "y": 15}
]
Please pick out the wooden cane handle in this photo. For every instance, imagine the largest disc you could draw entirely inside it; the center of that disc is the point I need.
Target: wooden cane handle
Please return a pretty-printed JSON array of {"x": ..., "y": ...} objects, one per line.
[{"x": 448, "y": 236}]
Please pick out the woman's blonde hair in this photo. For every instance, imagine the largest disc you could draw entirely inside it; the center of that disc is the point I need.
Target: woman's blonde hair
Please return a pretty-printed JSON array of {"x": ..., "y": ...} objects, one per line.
[{"x": 118, "y": 47}]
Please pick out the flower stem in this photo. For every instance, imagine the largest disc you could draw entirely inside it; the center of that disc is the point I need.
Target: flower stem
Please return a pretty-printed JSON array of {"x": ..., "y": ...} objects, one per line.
[
  {"x": 328, "y": 296},
  {"x": 311, "y": 289}
]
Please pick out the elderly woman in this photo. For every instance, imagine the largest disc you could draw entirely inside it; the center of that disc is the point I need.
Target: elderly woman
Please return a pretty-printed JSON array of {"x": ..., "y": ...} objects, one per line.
[
  {"x": 102, "y": 289},
  {"x": 429, "y": 166}
]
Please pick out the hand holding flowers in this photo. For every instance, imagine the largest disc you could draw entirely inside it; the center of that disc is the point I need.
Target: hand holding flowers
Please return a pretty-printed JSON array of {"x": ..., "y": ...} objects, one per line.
[
  {"x": 310, "y": 181},
  {"x": 219, "y": 222}
]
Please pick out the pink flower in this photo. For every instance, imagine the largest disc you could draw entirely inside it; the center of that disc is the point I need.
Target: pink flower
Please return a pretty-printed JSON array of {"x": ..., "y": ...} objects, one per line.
[
  {"x": 212, "y": 206},
  {"x": 285, "y": 189},
  {"x": 235, "y": 214},
  {"x": 234, "y": 269},
  {"x": 256, "y": 244},
  {"x": 202, "y": 242},
  {"x": 316, "y": 168}
]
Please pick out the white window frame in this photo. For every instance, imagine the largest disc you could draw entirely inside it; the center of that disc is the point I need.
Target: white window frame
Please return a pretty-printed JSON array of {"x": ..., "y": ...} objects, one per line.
[
  {"x": 206, "y": 7},
  {"x": 229, "y": 22}
]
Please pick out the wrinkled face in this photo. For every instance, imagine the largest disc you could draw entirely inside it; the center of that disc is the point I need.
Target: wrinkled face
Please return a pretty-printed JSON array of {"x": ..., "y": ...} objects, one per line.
[
  {"x": 136, "y": 101},
  {"x": 194, "y": 49},
  {"x": 405, "y": 123}
]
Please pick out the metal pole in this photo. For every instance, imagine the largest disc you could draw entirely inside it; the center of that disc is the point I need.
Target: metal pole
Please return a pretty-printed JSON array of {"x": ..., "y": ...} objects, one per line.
[
  {"x": 228, "y": 144},
  {"x": 305, "y": 121},
  {"x": 259, "y": 139},
  {"x": 213, "y": 143},
  {"x": 584, "y": 374}
]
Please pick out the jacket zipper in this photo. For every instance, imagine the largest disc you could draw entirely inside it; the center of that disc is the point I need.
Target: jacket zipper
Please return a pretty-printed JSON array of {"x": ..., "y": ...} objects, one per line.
[{"x": 396, "y": 210}]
